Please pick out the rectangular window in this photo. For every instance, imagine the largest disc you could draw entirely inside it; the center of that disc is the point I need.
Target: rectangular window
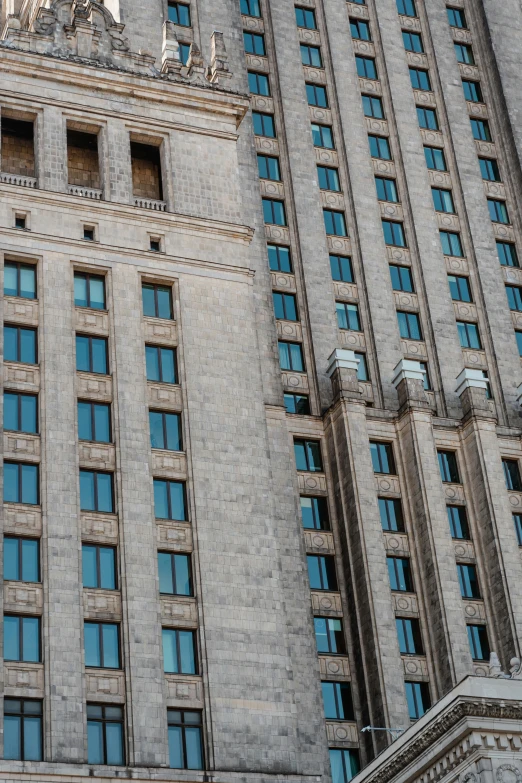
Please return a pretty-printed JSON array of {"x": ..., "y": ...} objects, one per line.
[
  {"x": 328, "y": 178},
  {"x": 514, "y": 296},
  {"x": 314, "y": 513},
  {"x": 21, "y": 483},
  {"x": 184, "y": 51},
  {"x": 390, "y": 511},
  {"x": 268, "y": 168},
  {"x": 362, "y": 367},
  {"x": 22, "y": 729},
  {"x": 457, "y": 18},
  {"x": 250, "y": 7},
  {"x": 329, "y": 636},
  {"x": 412, "y": 42},
  {"x": 372, "y": 107},
  {"x": 105, "y": 735},
  {"x": 418, "y": 698},
  {"x": 379, "y": 147},
  {"x": 427, "y": 118},
  {"x": 382, "y": 457},
  {"x": 334, "y": 223},
  {"x": 393, "y": 233},
  {"x": 469, "y": 336},
  {"x": 21, "y": 412},
  {"x": 308, "y": 456},
  {"x": 89, "y": 291},
  {"x": 401, "y": 278},
  {"x": 507, "y": 254},
  {"x": 157, "y": 301},
  {"x": 311, "y": 55},
  {"x": 20, "y": 344},
  {"x": 341, "y": 267},
  {"x": 165, "y": 431},
  {"x": 498, "y": 211},
  {"x": 344, "y": 764},
  {"x": 518, "y": 337},
  {"x": 96, "y": 491},
  {"x": 185, "y": 739},
  {"x": 464, "y": 53},
  {"x": 472, "y": 91},
  {"x": 258, "y": 83},
  {"x": 22, "y": 639},
  {"x": 94, "y": 421},
  {"x": 468, "y": 581},
  {"x": 291, "y": 356},
  {"x": 478, "y": 642},
  {"x": 179, "y": 651},
  {"x": 448, "y": 466},
  {"x": 512, "y": 475},
  {"x": 254, "y": 43},
  {"x": 451, "y": 244},
  {"x": 458, "y": 522},
  {"x": 427, "y": 380},
  {"x": 517, "y": 520},
  {"x": 175, "y": 574},
  {"x": 297, "y": 404},
  {"x": 91, "y": 354},
  {"x": 406, "y": 7},
  {"x": 443, "y": 200},
  {"x": 21, "y": 559},
  {"x": 305, "y": 17},
  {"x": 263, "y": 124},
  {"x": 161, "y": 364},
  {"x": 409, "y": 325},
  {"x": 399, "y": 571},
  {"x": 316, "y": 95},
  {"x": 410, "y": 639},
  {"x": 480, "y": 130},
  {"x": 19, "y": 280},
  {"x": 337, "y": 700},
  {"x": 386, "y": 189},
  {"x": 420, "y": 80},
  {"x": 102, "y": 645},
  {"x": 285, "y": 306},
  {"x": 179, "y": 13},
  {"x": 274, "y": 212},
  {"x": 322, "y": 136},
  {"x": 360, "y": 29},
  {"x": 366, "y": 67},
  {"x": 489, "y": 170},
  {"x": 435, "y": 159},
  {"x": 279, "y": 259},
  {"x": 169, "y": 500},
  {"x": 321, "y": 572},
  {"x": 459, "y": 288},
  {"x": 348, "y": 316},
  {"x": 99, "y": 567}
]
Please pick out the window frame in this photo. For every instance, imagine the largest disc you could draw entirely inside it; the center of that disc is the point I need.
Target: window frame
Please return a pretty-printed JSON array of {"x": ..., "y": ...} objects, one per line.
[
  {"x": 19, "y": 395},
  {"x": 92, "y": 403},
  {"x": 177, "y": 632},
  {"x": 19, "y": 329},
  {"x": 467, "y": 329},
  {"x": 409, "y": 582},
  {"x": 21, "y": 715},
  {"x": 453, "y": 524},
  {"x": 159, "y": 349},
  {"x": 19, "y": 265},
  {"x": 20, "y": 466},
  {"x": 164, "y": 415},
  {"x": 326, "y": 570},
  {"x": 168, "y": 482},
  {"x": 103, "y": 720},
  {"x": 87, "y": 276},
  {"x": 262, "y": 115},
  {"x": 90, "y": 338},
  {"x": 95, "y": 473},
  {"x": 173, "y": 556},
  {"x": 98, "y": 565},
  {"x": 20, "y": 558},
  {"x": 278, "y": 249},
  {"x": 156, "y": 287},
  {"x": 290, "y": 368},
  {"x": 175, "y": 4},
  {"x": 183, "y": 726},
  {"x": 20, "y": 618},
  {"x": 378, "y": 447},
  {"x": 99, "y": 624},
  {"x": 309, "y": 467}
]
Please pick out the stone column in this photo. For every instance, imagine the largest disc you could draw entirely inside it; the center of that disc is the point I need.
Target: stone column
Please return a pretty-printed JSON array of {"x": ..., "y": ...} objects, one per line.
[
  {"x": 61, "y": 542},
  {"x": 53, "y": 158},
  {"x": 141, "y": 631},
  {"x": 497, "y": 541},
  {"x": 379, "y": 667},
  {"x": 117, "y": 148},
  {"x": 432, "y": 540}
]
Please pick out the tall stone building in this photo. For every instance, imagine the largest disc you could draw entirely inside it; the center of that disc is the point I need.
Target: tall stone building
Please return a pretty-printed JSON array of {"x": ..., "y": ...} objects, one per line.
[{"x": 261, "y": 389}]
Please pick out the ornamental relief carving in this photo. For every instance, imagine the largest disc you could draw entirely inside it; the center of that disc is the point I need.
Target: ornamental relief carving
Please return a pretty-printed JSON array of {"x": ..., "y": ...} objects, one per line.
[
  {"x": 179, "y": 611},
  {"x": 363, "y": 47},
  {"x": 21, "y": 310},
  {"x": 380, "y": 127},
  {"x": 295, "y": 381},
  {"x": 504, "y": 232},
  {"x": 406, "y": 301},
  {"x": 342, "y": 733},
  {"x": 486, "y": 148},
  {"x": 175, "y": 535},
  {"x": 24, "y": 679},
  {"x": 316, "y": 541},
  {"x": 22, "y": 597},
  {"x": 433, "y": 138},
  {"x": 517, "y": 319},
  {"x": 282, "y": 281},
  {"x": 391, "y": 210},
  {"x": 264, "y": 144},
  {"x": 253, "y": 23},
  {"x": 91, "y": 321},
  {"x": 262, "y": 103},
  {"x": 19, "y": 444},
  {"x": 461, "y": 36},
  {"x": 478, "y": 109},
  {"x": 22, "y": 520},
  {"x": 384, "y": 167},
  {"x": 497, "y": 189},
  {"x": 332, "y": 199},
  {"x": 104, "y": 686},
  {"x": 424, "y": 98},
  {"x": 347, "y": 291},
  {"x": 455, "y": 493},
  {"x": 339, "y": 245},
  {"x": 370, "y": 86},
  {"x": 327, "y": 604},
  {"x": 398, "y": 255},
  {"x": 440, "y": 178},
  {"x": 311, "y": 483},
  {"x": 184, "y": 692},
  {"x": 326, "y": 156},
  {"x": 337, "y": 668},
  {"x": 270, "y": 188},
  {"x": 290, "y": 330},
  {"x": 278, "y": 234},
  {"x": 99, "y": 527},
  {"x": 410, "y": 23},
  {"x": 97, "y": 455},
  {"x": 396, "y": 544},
  {"x": 319, "y": 114},
  {"x": 158, "y": 329},
  {"x": 257, "y": 62},
  {"x": 508, "y": 773},
  {"x": 515, "y": 499},
  {"x": 464, "y": 550},
  {"x": 475, "y": 359},
  {"x": 169, "y": 463},
  {"x": 96, "y": 387},
  {"x": 309, "y": 36},
  {"x": 358, "y": 10},
  {"x": 388, "y": 485},
  {"x": 165, "y": 394},
  {"x": 315, "y": 75},
  {"x": 454, "y": 264},
  {"x": 474, "y": 611},
  {"x": 366, "y": 390},
  {"x": 405, "y": 604},
  {"x": 465, "y": 311},
  {"x": 448, "y": 222},
  {"x": 21, "y": 377},
  {"x": 414, "y": 349},
  {"x": 353, "y": 340}
]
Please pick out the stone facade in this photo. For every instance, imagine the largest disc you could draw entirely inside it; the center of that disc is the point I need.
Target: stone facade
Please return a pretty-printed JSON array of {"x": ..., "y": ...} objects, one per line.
[{"x": 374, "y": 423}]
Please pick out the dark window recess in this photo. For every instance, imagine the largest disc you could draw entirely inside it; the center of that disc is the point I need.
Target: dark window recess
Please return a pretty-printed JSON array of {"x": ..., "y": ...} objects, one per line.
[
  {"x": 427, "y": 379},
  {"x": 179, "y": 13},
  {"x": 263, "y": 124},
  {"x": 105, "y": 735},
  {"x": 170, "y": 500},
  {"x": 157, "y": 301},
  {"x": 279, "y": 258},
  {"x": 21, "y": 483},
  {"x": 337, "y": 700},
  {"x": 258, "y": 83},
  {"x": 390, "y": 511},
  {"x": 94, "y": 421},
  {"x": 96, "y": 491},
  {"x": 427, "y": 118},
  {"x": 360, "y": 29},
  {"x": 165, "y": 431},
  {"x": 274, "y": 212},
  {"x": 489, "y": 170},
  {"x": 298, "y": 404},
  {"x": 308, "y": 455},
  {"x": 89, "y": 291},
  {"x": 363, "y": 373},
  {"x": 409, "y": 634},
  {"x": 517, "y": 521},
  {"x": 160, "y": 364},
  {"x": 88, "y": 233},
  {"x": 285, "y": 306},
  {"x": 498, "y": 211},
  {"x": 399, "y": 571},
  {"x": 382, "y": 457},
  {"x": 472, "y": 91},
  {"x": 314, "y": 513},
  {"x": 366, "y": 67},
  {"x": 458, "y": 522},
  {"x": 20, "y": 412},
  {"x": 321, "y": 572},
  {"x": 418, "y": 698},
  {"x": 185, "y": 739},
  {"x": 250, "y": 7},
  {"x": 23, "y": 736},
  {"x": 514, "y": 297},
  {"x": 83, "y": 168},
  {"x": 480, "y": 130},
  {"x": 91, "y": 354},
  {"x": 409, "y": 325},
  {"x": 184, "y": 52},
  {"x": 345, "y": 764},
  {"x": 22, "y": 639},
  {"x": 401, "y": 278},
  {"x": 329, "y": 636},
  {"x": 468, "y": 580},
  {"x": 99, "y": 567},
  {"x": 179, "y": 651},
  {"x": 435, "y": 159},
  {"x": 478, "y": 642},
  {"x": 348, "y": 317},
  {"x": 21, "y": 559},
  {"x": 512, "y": 475},
  {"x": 175, "y": 574},
  {"x": 518, "y": 337},
  {"x": 448, "y": 466},
  {"x": 20, "y": 344},
  {"x": 469, "y": 335},
  {"x": 507, "y": 254},
  {"x": 459, "y": 288},
  {"x": 18, "y": 147},
  {"x": 464, "y": 53},
  {"x": 451, "y": 244},
  {"x": 20, "y": 222},
  {"x": 146, "y": 169},
  {"x": 19, "y": 279},
  {"x": 268, "y": 168},
  {"x": 102, "y": 645},
  {"x": 379, "y": 147},
  {"x": 291, "y": 356}
]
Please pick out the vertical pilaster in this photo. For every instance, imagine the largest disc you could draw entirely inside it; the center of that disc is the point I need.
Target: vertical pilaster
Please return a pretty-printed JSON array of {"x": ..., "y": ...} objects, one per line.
[
  {"x": 61, "y": 543},
  {"x": 54, "y": 153},
  {"x": 118, "y": 148},
  {"x": 141, "y": 632}
]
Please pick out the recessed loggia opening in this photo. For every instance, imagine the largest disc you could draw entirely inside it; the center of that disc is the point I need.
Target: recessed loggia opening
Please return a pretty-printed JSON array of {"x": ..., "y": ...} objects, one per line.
[
  {"x": 147, "y": 176},
  {"x": 83, "y": 164},
  {"x": 18, "y": 165}
]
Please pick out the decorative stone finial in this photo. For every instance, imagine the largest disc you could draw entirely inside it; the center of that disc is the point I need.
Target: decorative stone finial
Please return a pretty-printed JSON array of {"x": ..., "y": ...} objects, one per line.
[
  {"x": 408, "y": 370},
  {"x": 219, "y": 58},
  {"x": 495, "y": 668},
  {"x": 170, "y": 59},
  {"x": 408, "y": 379},
  {"x": 471, "y": 379},
  {"x": 342, "y": 371}
]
